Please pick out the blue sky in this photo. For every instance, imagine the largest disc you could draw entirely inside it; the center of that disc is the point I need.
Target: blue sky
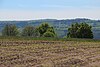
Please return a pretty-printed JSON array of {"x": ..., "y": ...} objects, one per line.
[{"x": 57, "y": 9}]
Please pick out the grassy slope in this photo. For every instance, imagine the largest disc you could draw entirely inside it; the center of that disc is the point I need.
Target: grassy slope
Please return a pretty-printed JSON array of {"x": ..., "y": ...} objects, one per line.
[{"x": 48, "y": 39}]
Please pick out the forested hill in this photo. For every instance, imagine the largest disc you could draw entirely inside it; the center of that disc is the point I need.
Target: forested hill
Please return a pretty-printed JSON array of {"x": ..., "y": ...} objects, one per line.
[{"x": 60, "y": 26}]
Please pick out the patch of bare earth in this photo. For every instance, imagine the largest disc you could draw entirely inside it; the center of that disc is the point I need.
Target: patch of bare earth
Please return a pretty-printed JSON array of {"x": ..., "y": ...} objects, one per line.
[{"x": 49, "y": 54}]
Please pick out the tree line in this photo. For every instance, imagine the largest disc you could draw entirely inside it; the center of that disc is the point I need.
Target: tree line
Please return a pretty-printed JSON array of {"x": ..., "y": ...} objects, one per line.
[{"x": 77, "y": 30}]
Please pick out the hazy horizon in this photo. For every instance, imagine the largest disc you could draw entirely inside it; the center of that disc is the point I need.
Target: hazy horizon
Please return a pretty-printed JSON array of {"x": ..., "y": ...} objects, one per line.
[{"x": 49, "y": 9}]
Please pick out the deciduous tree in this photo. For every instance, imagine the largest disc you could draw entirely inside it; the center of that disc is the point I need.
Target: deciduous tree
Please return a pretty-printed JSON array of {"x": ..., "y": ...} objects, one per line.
[
  {"x": 81, "y": 30},
  {"x": 10, "y": 30}
]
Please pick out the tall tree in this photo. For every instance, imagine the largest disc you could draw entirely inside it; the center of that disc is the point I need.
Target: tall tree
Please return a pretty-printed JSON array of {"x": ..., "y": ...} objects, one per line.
[
  {"x": 81, "y": 30},
  {"x": 30, "y": 31},
  {"x": 45, "y": 29},
  {"x": 10, "y": 30}
]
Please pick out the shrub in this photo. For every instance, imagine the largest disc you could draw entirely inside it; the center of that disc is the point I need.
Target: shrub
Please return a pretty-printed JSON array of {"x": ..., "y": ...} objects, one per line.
[{"x": 48, "y": 34}]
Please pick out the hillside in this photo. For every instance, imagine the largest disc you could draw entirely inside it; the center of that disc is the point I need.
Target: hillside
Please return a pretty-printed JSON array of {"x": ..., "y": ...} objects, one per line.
[{"x": 60, "y": 26}]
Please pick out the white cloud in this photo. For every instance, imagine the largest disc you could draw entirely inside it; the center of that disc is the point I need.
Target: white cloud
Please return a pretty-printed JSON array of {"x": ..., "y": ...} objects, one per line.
[{"x": 59, "y": 14}]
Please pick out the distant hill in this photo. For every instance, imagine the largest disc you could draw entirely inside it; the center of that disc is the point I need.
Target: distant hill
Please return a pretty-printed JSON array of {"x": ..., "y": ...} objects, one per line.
[{"x": 60, "y": 26}]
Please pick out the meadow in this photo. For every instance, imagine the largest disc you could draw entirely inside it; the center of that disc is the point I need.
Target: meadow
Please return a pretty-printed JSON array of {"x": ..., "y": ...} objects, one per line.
[{"x": 20, "y": 52}]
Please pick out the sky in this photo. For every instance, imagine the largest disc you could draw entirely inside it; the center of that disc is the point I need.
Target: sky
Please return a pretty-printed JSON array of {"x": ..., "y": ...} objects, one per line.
[{"x": 49, "y": 9}]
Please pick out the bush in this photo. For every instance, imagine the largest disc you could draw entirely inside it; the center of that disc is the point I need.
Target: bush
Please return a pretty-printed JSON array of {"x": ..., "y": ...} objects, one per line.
[{"x": 48, "y": 34}]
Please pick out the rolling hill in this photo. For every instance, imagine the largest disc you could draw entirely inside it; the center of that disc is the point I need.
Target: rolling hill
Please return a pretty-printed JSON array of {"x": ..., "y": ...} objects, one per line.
[{"x": 60, "y": 26}]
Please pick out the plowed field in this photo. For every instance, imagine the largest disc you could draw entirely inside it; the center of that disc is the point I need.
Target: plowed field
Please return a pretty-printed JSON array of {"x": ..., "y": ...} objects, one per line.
[{"x": 49, "y": 53}]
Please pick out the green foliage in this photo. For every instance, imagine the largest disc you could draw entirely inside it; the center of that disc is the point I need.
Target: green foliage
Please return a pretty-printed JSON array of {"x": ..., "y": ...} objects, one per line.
[
  {"x": 51, "y": 29},
  {"x": 46, "y": 31},
  {"x": 21, "y": 38},
  {"x": 43, "y": 28},
  {"x": 30, "y": 31},
  {"x": 81, "y": 30},
  {"x": 48, "y": 34},
  {"x": 10, "y": 30}
]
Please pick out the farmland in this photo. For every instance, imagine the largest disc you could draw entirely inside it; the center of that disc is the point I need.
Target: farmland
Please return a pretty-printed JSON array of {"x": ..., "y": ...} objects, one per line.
[{"x": 42, "y": 53}]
